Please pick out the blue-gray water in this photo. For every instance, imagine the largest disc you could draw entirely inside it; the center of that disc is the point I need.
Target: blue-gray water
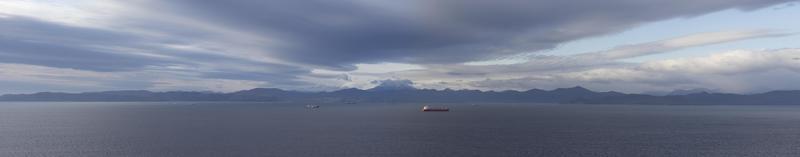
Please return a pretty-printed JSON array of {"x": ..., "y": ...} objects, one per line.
[{"x": 268, "y": 129}]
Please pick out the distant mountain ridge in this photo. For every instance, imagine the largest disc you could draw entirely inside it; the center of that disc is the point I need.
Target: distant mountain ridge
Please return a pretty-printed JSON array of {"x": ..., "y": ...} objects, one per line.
[{"x": 576, "y": 95}]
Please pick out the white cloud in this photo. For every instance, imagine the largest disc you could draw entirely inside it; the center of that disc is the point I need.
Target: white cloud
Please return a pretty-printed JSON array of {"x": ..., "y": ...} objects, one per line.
[
  {"x": 693, "y": 40},
  {"x": 91, "y": 13},
  {"x": 734, "y": 62},
  {"x": 738, "y": 71},
  {"x": 385, "y": 67}
]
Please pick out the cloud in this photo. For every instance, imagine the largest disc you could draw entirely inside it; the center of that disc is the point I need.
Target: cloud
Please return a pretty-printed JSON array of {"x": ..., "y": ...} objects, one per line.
[
  {"x": 730, "y": 63},
  {"x": 323, "y": 45},
  {"x": 393, "y": 84},
  {"x": 694, "y": 40},
  {"x": 602, "y": 69},
  {"x": 740, "y": 71},
  {"x": 31, "y": 41},
  {"x": 33, "y": 78},
  {"x": 543, "y": 64},
  {"x": 48, "y": 75},
  {"x": 342, "y": 33},
  {"x": 195, "y": 84}
]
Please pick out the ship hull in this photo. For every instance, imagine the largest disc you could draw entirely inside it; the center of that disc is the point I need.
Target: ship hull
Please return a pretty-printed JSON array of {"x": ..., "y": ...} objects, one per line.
[{"x": 435, "y": 110}]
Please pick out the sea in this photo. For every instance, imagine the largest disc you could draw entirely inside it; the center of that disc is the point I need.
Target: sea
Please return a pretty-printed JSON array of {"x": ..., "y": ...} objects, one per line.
[{"x": 199, "y": 129}]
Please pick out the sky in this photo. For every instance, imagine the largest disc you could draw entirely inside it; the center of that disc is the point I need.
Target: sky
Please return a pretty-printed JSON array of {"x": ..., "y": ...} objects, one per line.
[{"x": 632, "y": 46}]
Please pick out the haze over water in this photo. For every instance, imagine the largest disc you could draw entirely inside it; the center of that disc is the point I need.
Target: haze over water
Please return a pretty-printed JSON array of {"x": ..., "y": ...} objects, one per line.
[{"x": 273, "y": 129}]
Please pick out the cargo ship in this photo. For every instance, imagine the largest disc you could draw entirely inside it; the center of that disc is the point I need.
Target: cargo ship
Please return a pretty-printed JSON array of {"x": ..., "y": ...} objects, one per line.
[{"x": 427, "y": 108}]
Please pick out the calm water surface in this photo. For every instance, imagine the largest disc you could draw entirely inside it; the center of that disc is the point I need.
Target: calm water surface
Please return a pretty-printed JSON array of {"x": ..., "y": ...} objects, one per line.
[{"x": 273, "y": 129}]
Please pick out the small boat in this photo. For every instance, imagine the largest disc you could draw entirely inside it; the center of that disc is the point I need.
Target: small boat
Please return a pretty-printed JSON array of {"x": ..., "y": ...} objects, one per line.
[
  {"x": 427, "y": 108},
  {"x": 312, "y": 106}
]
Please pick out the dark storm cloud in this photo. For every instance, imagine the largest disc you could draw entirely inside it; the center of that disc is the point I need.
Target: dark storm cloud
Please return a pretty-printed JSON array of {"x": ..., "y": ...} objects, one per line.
[{"x": 340, "y": 33}]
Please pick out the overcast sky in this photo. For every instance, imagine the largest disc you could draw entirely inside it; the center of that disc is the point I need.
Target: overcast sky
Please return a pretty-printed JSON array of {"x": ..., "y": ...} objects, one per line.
[{"x": 634, "y": 46}]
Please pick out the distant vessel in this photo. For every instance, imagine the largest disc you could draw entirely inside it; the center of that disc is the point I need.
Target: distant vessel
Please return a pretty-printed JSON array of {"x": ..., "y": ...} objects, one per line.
[
  {"x": 312, "y": 106},
  {"x": 432, "y": 108}
]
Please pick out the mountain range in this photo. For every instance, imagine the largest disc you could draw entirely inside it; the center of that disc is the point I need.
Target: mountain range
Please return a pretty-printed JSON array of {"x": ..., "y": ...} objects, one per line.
[{"x": 402, "y": 94}]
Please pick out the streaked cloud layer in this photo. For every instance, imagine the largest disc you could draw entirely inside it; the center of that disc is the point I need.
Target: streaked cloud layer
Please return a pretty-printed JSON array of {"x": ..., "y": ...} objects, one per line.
[{"x": 326, "y": 45}]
